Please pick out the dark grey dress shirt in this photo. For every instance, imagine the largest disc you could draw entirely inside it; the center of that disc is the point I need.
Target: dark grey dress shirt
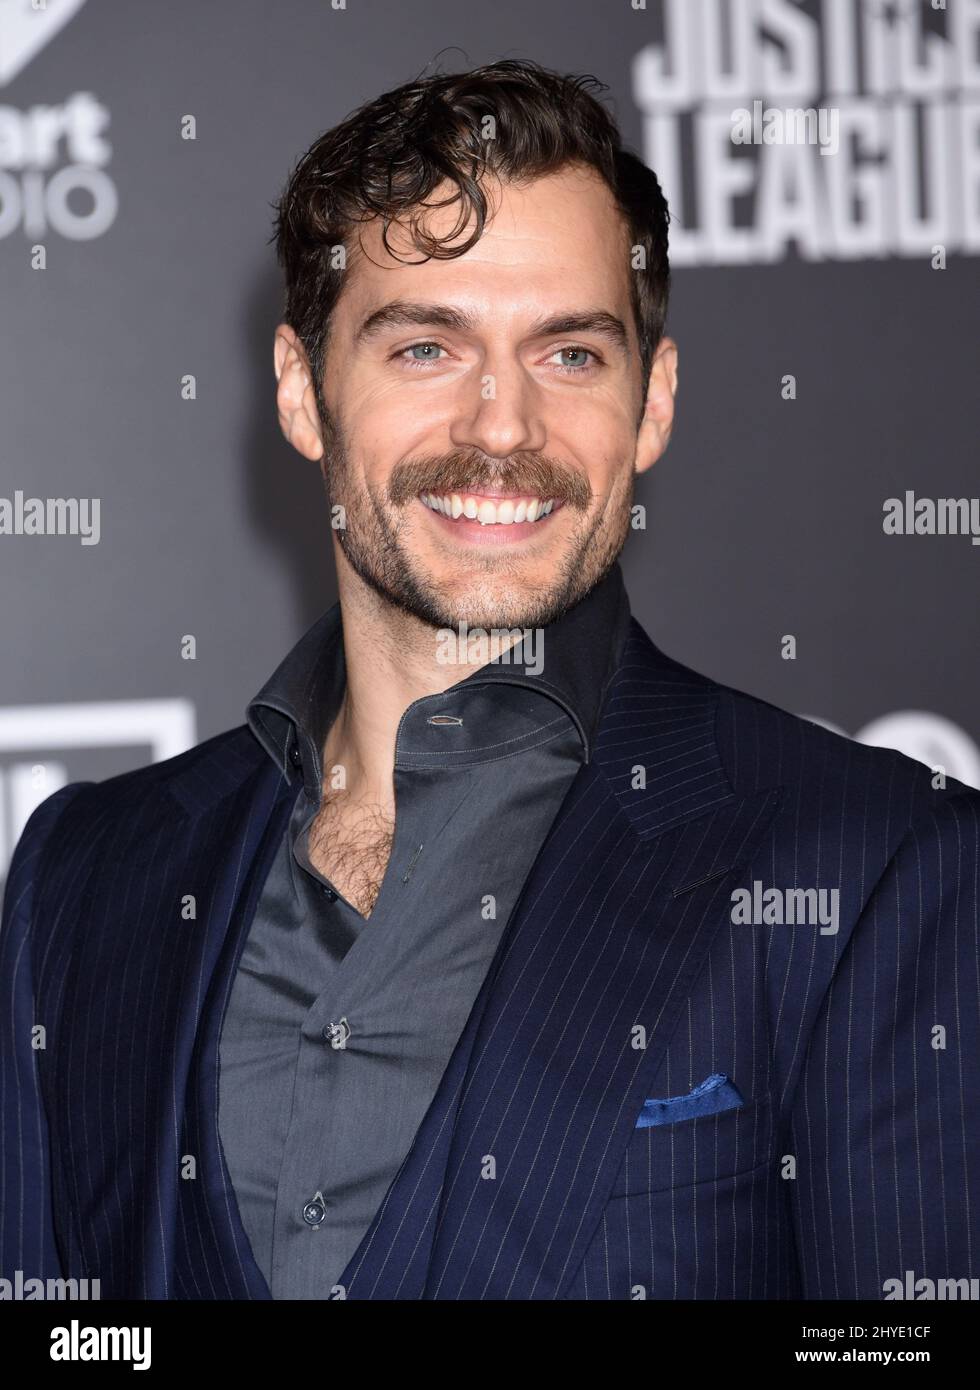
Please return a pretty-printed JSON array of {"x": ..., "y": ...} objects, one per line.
[{"x": 339, "y": 1027}]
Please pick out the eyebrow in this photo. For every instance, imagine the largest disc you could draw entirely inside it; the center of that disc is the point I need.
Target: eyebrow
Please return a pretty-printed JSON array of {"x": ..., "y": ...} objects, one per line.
[{"x": 400, "y": 313}]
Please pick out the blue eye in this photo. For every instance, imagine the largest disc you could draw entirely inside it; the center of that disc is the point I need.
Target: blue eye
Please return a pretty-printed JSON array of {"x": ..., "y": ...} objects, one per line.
[
  {"x": 428, "y": 351},
  {"x": 579, "y": 352}
]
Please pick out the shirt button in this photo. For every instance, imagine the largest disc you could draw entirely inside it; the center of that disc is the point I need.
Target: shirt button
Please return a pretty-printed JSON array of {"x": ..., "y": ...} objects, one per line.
[
  {"x": 294, "y": 756},
  {"x": 314, "y": 1212},
  {"x": 328, "y": 893},
  {"x": 336, "y": 1034}
]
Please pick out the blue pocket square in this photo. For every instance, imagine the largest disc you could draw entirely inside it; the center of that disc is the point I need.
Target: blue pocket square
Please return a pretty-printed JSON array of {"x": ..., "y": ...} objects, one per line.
[{"x": 717, "y": 1092}]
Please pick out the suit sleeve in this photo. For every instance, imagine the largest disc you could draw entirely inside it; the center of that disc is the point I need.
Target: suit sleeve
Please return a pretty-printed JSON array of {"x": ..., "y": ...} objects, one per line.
[
  {"x": 886, "y": 1119},
  {"x": 27, "y": 1239}
]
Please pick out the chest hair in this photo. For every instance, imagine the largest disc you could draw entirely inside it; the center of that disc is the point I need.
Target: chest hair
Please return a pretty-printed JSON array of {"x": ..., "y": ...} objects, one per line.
[{"x": 350, "y": 844}]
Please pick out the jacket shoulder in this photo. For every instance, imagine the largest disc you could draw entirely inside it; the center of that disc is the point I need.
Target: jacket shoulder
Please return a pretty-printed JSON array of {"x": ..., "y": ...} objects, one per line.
[
  {"x": 229, "y": 756},
  {"x": 235, "y": 751},
  {"x": 763, "y": 744},
  {"x": 82, "y": 811},
  {"x": 823, "y": 775}
]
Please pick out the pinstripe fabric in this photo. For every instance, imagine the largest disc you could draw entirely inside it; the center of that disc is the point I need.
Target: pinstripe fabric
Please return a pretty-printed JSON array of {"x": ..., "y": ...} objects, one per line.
[{"x": 620, "y": 976}]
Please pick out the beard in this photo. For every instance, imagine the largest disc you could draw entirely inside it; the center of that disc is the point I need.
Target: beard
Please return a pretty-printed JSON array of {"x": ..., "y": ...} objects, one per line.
[{"x": 373, "y": 536}]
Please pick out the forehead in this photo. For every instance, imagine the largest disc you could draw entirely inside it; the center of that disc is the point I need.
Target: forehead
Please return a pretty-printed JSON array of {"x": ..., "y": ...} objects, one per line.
[{"x": 558, "y": 237}]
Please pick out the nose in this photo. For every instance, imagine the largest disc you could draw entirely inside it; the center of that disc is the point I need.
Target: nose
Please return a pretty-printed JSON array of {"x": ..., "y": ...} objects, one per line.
[{"x": 501, "y": 413}]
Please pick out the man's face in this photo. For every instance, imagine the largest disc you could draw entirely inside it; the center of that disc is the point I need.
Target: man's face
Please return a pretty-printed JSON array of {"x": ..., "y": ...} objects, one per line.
[{"x": 483, "y": 410}]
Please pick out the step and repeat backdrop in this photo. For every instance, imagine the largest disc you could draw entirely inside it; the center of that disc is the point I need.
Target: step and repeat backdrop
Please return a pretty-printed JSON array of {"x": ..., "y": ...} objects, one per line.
[{"x": 811, "y": 536}]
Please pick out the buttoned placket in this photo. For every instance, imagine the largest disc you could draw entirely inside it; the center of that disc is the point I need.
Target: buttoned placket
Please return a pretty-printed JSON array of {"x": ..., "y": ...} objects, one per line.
[{"x": 330, "y": 1030}]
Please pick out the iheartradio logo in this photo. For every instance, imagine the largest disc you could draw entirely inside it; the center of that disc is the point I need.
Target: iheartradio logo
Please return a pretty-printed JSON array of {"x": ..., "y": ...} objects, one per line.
[{"x": 27, "y": 26}]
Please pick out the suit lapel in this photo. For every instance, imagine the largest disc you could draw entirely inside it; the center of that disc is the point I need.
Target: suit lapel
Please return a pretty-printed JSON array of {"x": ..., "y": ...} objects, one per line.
[
  {"x": 214, "y": 1240},
  {"x": 506, "y": 1180},
  {"x": 238, "y": 822}
]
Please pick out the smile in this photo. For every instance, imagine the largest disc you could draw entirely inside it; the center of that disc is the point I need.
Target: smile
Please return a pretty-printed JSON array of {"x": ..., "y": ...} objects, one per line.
[{"x": 502, "y": 511}]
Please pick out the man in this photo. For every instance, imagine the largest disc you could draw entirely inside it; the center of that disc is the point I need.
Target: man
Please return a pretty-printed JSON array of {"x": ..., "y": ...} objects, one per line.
[{"x": 497, "y": 955}]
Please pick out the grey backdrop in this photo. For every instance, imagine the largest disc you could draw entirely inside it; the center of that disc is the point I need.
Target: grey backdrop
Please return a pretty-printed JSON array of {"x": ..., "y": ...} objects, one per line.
[{"x": 764, "y": 517}]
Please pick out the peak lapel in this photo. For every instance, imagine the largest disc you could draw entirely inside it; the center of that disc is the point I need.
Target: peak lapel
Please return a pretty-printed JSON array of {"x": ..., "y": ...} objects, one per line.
[
  {"x": 217, "y": 1249},
  {"x": 239, "y": 813}
]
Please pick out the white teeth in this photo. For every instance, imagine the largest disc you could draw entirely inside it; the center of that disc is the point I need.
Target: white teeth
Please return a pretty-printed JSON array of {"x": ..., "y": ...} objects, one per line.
[{"x": 506, "y": 512}]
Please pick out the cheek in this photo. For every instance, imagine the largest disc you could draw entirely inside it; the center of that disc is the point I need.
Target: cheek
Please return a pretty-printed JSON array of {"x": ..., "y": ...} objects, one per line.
[
  {"x": 386, "y": 427},
  {"x": 612, "y": 506},
  {"x": 601, "y": 432},
  {"x": 607, "y": 469}
]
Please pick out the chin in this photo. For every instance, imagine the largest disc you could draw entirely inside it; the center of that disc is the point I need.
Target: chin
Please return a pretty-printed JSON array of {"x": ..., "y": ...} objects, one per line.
[{"x": 511, "y": 607}]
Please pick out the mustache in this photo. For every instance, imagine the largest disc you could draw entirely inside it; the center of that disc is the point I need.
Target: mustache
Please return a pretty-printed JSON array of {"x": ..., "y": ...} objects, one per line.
[{"x": 467, "y": 470}]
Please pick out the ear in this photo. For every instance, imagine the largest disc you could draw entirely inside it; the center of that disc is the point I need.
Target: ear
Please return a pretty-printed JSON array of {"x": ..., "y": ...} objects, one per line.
[
  {"x": 658, "y": 413},
  {"x": 295, "y": 399}
]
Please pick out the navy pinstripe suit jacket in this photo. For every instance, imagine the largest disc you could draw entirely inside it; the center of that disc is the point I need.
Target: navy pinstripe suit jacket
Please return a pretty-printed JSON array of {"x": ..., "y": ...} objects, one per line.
[{"x": 621, "y": 977}]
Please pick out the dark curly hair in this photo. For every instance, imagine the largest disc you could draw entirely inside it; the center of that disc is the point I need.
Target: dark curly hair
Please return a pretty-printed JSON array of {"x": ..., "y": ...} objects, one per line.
[{"x": 385, "y": 160}]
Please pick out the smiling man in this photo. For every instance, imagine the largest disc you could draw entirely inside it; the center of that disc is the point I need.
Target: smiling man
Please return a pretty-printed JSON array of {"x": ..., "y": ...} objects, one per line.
[{"x": 497, "y": 971}]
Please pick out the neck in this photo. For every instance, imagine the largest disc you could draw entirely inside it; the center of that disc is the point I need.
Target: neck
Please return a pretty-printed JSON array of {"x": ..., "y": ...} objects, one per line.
[{"x": 392, "y": 660}]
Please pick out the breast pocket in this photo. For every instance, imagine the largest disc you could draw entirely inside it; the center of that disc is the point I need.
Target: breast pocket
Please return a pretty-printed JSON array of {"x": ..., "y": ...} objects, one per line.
[
  {"x": 693, "y": 1212},
  {"x": 703, "y": 1149}
]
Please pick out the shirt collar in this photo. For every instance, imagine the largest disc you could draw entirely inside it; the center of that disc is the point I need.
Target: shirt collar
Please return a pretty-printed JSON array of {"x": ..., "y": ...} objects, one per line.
[{"x": 571, "y": 662}]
